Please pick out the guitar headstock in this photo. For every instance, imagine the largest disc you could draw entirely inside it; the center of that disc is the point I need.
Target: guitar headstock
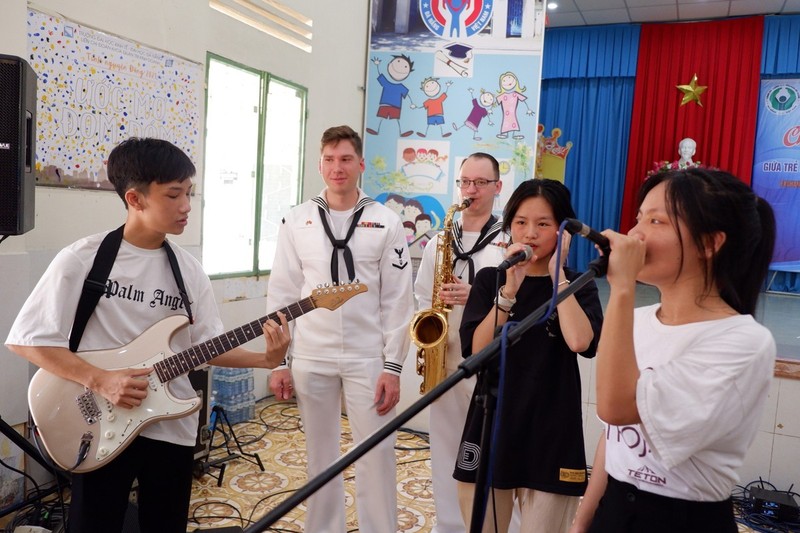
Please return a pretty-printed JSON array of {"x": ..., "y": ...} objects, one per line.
[{"x": 334, "y": 296}]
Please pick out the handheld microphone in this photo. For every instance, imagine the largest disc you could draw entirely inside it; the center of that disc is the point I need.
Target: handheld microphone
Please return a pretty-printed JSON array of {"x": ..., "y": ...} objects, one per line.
[
  {"x": 523, "y": 255},
  {"x": 575, "y": 226}
]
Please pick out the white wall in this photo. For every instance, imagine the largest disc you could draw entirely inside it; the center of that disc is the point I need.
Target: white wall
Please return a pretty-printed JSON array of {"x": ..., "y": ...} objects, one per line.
[
  {"x": 333, "y": 74},
  {"x": 775, "y": 453}
]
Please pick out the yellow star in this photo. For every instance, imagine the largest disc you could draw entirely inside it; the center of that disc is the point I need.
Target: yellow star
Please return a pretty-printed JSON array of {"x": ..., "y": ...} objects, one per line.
[{"x": 692, "y": 91}]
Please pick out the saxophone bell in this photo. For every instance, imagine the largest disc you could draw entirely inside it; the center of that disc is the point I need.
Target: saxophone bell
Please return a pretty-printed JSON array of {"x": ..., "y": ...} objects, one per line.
[
  {"x": 429, "y": 332},
  {"x": 428, "y": 328}
]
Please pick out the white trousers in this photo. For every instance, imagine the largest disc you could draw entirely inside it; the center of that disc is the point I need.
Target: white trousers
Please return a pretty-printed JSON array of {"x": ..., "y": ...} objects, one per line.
[
  {"x": 319, "y": 386},
  {"x": 447, "y": 417}
]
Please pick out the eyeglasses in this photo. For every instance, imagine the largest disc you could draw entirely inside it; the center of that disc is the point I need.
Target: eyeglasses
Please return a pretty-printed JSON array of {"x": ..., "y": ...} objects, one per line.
[{"x": 480, "y": 183}]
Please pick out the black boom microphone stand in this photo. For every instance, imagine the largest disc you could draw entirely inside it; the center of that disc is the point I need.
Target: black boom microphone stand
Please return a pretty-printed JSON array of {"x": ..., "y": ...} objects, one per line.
[{"x": 472, "y": 365}]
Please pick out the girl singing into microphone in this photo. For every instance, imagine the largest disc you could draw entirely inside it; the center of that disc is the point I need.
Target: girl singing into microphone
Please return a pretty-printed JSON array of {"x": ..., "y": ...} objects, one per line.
[
  {"x": 681, "y": 384},
  {"x": 539, "y": 459}
]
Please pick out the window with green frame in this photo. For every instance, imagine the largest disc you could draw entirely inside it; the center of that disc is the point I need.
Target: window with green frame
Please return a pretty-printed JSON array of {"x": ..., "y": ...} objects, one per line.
[{"x": 255, "y": 128}]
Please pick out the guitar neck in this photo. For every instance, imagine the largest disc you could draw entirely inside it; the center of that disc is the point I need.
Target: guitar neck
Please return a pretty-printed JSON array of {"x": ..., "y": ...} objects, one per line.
[{"x": 200, "y": 354}]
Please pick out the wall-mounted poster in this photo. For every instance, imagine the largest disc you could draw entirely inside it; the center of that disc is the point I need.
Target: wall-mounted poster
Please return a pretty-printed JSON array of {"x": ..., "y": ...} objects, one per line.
[
  {"x": 95, "y": 90},
  {"x": 446, "y": 79}
]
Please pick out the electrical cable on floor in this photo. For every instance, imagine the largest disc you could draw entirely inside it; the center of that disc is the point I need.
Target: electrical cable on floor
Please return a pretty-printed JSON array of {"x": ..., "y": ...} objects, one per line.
[
  {"x": 49, "y": 514},
  {"x": 268, "y": 497},
  {"x": 412, "y": 461},
  {"x": 195, "y": 518},
  {"x": 289, "y": 422},
  {"x": 405, "y": 433}
]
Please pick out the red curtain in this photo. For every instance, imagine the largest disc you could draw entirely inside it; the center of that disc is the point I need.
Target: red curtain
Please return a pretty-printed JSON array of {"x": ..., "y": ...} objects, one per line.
[{"x": 726, "y": 56}]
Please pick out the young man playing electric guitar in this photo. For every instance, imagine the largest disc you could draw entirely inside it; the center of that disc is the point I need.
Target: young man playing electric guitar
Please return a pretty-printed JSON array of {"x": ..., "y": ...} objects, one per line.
[{"x": 154, "y": 180}]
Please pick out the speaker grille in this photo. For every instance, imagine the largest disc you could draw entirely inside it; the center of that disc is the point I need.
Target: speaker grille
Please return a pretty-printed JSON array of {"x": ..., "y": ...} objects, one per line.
[
  {"x": 11, "y": 124},
  {"x": 17, "y": 145}
]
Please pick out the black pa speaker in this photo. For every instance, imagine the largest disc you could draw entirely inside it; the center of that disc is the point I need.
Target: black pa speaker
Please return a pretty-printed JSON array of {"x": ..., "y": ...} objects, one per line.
[{"x": 17, "y": 145}]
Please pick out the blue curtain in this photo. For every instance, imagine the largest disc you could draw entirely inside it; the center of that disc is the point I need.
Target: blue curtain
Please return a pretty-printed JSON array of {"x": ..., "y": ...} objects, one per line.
[
  {"x": 588, "y": 77},
  {"x": 780, "y": 55},
  {"x": 780, "y": 58},
  {"x": 591, "y": 52}
]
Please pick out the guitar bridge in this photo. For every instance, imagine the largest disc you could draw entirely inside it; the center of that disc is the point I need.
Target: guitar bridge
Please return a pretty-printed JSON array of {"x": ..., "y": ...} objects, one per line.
[{"x": 88, "y": 407}]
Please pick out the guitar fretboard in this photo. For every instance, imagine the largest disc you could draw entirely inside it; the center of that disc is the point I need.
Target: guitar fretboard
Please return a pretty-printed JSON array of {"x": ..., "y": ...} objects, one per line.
[{"x": 199, "y": 354}]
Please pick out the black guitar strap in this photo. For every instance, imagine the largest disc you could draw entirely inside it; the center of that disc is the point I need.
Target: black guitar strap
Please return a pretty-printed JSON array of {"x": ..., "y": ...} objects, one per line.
[
  {"x": 176, "y": 271},
  {"x": 95, "y": 284}
]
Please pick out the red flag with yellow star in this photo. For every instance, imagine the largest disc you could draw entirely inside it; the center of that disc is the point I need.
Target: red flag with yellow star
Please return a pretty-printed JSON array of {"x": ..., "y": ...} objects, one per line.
[{"x": 697, "y": 80}]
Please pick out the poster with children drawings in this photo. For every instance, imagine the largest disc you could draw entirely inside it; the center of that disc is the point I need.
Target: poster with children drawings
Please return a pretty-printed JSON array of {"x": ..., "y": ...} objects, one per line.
[
  {"x": 95, "y": 90},
  {"x": 444, "y": 80}
]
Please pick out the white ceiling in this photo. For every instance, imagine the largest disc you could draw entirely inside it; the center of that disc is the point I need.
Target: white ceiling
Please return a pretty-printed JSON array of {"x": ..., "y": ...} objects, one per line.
[{"x": 590, "y": 12}]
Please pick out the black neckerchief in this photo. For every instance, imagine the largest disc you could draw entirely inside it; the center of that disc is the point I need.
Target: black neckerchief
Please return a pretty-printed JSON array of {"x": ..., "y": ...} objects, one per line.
[
  {"x": 341, "y": 244},
  {"x": 489, "y": 231}
]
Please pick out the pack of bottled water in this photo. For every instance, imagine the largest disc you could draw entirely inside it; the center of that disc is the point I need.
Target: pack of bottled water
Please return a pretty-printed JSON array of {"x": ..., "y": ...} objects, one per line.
[{"x": 233, "y": 390}]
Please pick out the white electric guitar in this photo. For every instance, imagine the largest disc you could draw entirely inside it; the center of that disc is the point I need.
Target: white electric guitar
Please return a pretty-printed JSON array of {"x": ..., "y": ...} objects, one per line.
[{"x": 82, "y": 431}]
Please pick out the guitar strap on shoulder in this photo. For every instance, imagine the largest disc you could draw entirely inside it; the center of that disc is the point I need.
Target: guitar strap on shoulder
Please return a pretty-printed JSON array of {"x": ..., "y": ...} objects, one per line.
[
  {"x": 95, "y": 284},
  {"x": 176, "y": 271}
]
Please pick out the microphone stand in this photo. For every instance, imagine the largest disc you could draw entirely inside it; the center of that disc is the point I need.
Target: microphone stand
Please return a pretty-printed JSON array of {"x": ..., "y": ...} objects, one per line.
[
  {"x": 472, "y": 365},
  {"x": 488, "y": 378}
]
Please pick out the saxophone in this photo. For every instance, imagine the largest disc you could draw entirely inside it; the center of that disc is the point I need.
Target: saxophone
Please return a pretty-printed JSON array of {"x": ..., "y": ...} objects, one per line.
[{"x": 428, "y": 328}]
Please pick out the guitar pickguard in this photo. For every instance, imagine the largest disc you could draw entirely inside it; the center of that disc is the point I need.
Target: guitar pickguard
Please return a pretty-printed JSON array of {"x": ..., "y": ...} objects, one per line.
[{"x": 118, "y": 426}]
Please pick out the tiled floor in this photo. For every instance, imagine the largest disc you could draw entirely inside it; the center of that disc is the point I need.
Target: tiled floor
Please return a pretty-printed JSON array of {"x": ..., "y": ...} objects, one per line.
[{"x": 247, "y": 494}]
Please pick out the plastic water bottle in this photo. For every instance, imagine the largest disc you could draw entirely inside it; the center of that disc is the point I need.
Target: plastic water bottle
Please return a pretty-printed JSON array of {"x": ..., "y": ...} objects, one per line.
[
  {"x": 250, "y": 381},
  {"x": 240, "y": 408},
  {"x": 238, "y": 384},
  {"x": 250, "y": 404}
]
